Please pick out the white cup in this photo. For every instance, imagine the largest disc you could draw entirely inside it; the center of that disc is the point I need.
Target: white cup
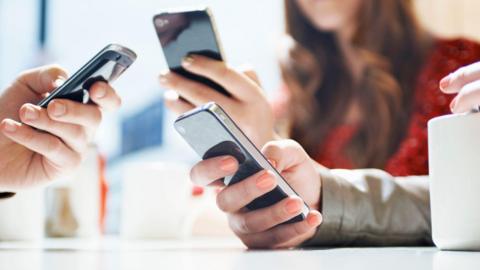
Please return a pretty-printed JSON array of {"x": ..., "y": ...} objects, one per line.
[
  {"x": 156, "y": 201},
  {"x": 22, "y": 217},
  {"x": 454, "y": 161}
]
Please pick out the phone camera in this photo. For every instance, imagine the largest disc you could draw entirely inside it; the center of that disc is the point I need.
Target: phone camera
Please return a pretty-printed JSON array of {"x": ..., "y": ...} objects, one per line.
[{"x": 162, "y": 22}]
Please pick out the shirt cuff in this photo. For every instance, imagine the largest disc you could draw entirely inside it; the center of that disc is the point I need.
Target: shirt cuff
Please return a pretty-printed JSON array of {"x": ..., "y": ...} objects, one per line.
[{"x": 333, "y": 209}]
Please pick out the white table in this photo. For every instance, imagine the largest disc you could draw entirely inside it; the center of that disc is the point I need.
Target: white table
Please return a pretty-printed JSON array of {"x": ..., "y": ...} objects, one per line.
[{"x": 112, "y": 253}]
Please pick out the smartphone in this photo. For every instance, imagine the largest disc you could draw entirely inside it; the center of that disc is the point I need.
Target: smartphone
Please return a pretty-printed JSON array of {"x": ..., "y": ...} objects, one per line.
[
  {"x": 106, "y": 66},
  {"x": 211, "y": 133},
  {"x": 185, "y": 32}
]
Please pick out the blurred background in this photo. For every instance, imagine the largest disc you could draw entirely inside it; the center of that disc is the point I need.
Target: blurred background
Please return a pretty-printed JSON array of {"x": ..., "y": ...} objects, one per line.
[{"x": 68, "y": 32}]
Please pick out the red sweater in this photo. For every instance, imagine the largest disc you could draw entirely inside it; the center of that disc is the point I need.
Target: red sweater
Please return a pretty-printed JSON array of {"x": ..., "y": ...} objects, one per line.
[{"x": 411, "y": 158}]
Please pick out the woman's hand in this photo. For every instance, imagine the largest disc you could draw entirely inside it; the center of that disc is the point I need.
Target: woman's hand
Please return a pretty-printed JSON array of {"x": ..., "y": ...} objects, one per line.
[
  {"x": 466, "y": 82},
  {"x": 247, "y": 105},
  {"x": 260, "y": 228},
  {"x": 37, "y": 145}
]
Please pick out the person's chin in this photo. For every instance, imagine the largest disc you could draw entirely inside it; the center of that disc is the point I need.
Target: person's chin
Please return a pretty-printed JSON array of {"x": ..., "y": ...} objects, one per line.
[{"x": 331, "y": 25}]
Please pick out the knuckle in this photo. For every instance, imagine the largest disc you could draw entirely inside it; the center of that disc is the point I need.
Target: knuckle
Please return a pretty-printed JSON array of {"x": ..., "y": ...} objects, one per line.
[
  {"x": 76, "y": 160},
  {"x": 54, "y": 146},
  {"x": 293, "y": 143},
  {"x": 277, "y": 214},
  {"x": 222, "y": 201},
  {"x": 272, "y": 149},
  {"x": 239, "y": 224},
  {"x": 27, "y": 135},
  {"x": 247, "y": 190},
  {"x": 298, "y": 228},
  {"x": 82, "y": 135}
]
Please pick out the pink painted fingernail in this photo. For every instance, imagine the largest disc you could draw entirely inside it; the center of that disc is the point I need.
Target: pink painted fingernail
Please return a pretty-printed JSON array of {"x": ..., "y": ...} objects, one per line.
[
  {"x": 293, "y": 207},
  {"x": 228, "y": 164},
  {"x": 31, "y": 114},
  {"x": 59, "y": 108},
  {"x": 273, "y": 162},
  {"x": 9, "y": 126},
  {"x": 187, "y": 61},
  {"x": 445, "y": 82},
  {"x": 100, "y": 92},
  {"x": 265, "y": 181},
  {"x": 314, "y": 220}
]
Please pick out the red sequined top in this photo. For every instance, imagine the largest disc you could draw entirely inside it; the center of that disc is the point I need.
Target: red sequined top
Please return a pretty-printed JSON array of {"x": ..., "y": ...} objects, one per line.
[{"x": 411, "y": 158}]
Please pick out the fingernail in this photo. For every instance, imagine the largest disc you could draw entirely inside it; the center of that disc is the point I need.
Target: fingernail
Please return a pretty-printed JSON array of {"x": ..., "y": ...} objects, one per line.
[
  {"x": 59, "y": 108},
  {"x": 163, "y": 79},
  {"x": 9, "y": 126},
  {"x": 100, "y": 92},
  {"x": 197, "y": 191},
  {"x": 170, "y": 95},
  {"x": 273, "y": 162},
  {"x": 453, "y": 104},
  {"x": 228, "y": 164},
  {"x": 58, "y": 82},
  {"x": 445, "y": 82},
  {"x": 314, "y": 220},
  {"x": 30, "y": 114},
  {"x": 265, "y": 181},
  {"x": 187, "y": 61},
  {"x": 292, "y": 207}
]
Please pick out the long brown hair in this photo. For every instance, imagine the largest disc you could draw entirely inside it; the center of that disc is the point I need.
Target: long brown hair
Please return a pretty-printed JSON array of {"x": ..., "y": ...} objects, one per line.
[{"x": 392, "y": 47}]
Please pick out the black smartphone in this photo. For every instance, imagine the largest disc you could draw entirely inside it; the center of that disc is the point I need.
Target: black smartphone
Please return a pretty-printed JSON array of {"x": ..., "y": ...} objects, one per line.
[
  {"x": 185, "y": 32},
  {"x": 211, "y": 133},
  {"x": 107, "y": 66}
]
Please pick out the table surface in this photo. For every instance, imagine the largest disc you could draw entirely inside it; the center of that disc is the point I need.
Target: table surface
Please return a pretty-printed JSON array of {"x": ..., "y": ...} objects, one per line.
[{"x": 113, "y": 253}]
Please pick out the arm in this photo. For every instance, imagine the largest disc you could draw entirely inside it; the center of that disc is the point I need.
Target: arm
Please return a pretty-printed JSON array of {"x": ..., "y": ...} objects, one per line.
[
  {"x": 356, "y": 207},
  {"x": 370, "y": 207}
]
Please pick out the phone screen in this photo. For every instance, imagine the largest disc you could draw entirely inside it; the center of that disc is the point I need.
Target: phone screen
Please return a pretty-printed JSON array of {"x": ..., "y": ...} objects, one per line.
[{"x": 185, "y": 33}]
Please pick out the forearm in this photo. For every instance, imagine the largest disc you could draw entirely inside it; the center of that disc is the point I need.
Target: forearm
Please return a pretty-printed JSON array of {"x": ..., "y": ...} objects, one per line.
[{"x": 370, "y": 207}]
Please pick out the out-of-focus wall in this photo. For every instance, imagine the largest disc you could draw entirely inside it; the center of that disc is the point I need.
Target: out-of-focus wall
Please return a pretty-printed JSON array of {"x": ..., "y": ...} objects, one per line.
[{"x": 451, "y": 17}]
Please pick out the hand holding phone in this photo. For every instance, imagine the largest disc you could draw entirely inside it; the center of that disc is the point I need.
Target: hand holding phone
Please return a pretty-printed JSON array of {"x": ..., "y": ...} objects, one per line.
[
  {"x": 212, "y": 133},
  {"x": 186, "y": 32},
  {"x": 106, "y": 66}
]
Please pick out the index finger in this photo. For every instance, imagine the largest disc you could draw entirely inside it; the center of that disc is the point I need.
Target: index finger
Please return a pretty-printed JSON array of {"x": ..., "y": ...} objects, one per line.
[
  {"x": 455, "y": 81},
  {"x": 237, "y": 83},
  {"x": 105, "y": 96},
  {"x": 210, "y": 170},
  {"x": 284, "y": 153},
  {"x": 43, "y": 79}
]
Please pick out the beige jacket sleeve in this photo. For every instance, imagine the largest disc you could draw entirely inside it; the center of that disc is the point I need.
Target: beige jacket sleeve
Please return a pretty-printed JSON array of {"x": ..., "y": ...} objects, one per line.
[{"x": 370, "y": 207}]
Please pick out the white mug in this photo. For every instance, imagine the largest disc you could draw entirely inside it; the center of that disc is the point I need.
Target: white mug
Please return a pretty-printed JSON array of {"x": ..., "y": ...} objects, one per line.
[{"x": 454, "y": 164}]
